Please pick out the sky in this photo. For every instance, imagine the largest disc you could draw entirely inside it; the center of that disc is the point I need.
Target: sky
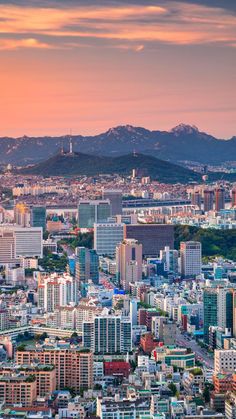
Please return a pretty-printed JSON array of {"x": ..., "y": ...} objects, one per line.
[{"x": 88, "y": 65}]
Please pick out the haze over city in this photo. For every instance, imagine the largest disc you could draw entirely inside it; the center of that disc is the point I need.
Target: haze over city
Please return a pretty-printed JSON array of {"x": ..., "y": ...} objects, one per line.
[{"x": 90, "y": 65}]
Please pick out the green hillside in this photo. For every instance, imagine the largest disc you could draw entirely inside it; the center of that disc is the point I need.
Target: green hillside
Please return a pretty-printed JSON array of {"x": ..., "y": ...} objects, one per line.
[{"x": 84, "y": 164}]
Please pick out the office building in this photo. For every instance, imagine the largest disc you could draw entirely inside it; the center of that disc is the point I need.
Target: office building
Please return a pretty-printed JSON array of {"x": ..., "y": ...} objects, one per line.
[
  {"x": 218, "y": 309},
  {"x": 115, "y": 198},
  {"x": 170, "y": 259},
  {"x": 90, "y": 212},
  {"x": 106, "y": 237},
  {"x": 225, "y": 308},
  {"x": 208, "y": 200},
  {"x": 191, "y": 258},
  {"x": 86, "y": 267},
  {"x": 219, "y": 199},
  {"x": 129, "y": 262},
  {"x": 107, "y": 334},
  {"x": 22, "y": 215},
  {"x": 73, "y": 365},
  {"x": 134, "y": 311},
  {"x": 210, "y": 304},
  {"x": 17, "y": 242},
  {"x": 38, "y": 217},
  {"x": 153, "y": 237}
]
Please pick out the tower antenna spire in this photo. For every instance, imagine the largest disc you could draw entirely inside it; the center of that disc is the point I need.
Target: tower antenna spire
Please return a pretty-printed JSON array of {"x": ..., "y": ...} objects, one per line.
[{"x": 71, "y": 144}]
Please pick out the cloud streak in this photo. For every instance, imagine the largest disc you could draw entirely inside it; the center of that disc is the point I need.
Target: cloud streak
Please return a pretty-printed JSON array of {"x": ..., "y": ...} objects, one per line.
[{"x": 133, "y": 25}]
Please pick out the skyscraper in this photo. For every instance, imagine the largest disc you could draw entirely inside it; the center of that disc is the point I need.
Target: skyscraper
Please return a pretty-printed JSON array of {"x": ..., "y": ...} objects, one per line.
[
  {"x": 90, "y": 212},
  {"x": 210, "y": 303},
  {"x": 208, "y": 200},
  {"x": 129, "y": 262},
  {"x": 115, "y": 198},
  {"x": 22, "y": 215},
  {"x": 219, "y": 198},
  {"x": 86, "y": 267},
  {"x": 106, "y": 237},
  {"x": 38, "y": 217},
  {"x": 191, "y": 258},
  {"x": 218, "y": 309}
]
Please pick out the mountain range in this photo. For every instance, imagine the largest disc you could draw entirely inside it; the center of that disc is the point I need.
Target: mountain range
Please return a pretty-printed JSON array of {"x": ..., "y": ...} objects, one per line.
[{"x": 182, "y": 143}]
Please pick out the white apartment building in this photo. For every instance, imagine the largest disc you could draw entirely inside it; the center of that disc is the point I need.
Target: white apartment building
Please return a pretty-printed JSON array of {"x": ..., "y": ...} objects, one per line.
[
  {"x": 225, "y": 360},
  {"x": 191, "y": 258},
  {"x": 57, "y": 291}
]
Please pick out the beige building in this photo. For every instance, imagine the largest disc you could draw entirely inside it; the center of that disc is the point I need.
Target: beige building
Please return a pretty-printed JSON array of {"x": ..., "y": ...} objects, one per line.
[
  {"x": 129, "y": 262},
  {"x": 45, "y": 376},
  {"x": 18, "y": 389},
  {"x": 73, "y": 365}
]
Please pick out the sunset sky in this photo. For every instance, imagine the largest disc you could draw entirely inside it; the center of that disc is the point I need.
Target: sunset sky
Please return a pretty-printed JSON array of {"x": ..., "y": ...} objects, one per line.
[{"x": 87, "y": 65}]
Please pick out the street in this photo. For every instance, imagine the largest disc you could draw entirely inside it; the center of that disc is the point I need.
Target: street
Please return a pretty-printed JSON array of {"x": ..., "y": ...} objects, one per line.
[{"x": 201, "y": 354}]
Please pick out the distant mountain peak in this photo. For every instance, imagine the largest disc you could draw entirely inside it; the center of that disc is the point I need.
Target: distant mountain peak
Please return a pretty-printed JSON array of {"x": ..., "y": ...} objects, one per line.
[
  {"x": 121, "y": 129},
  {"x": 184, "y": 129}
]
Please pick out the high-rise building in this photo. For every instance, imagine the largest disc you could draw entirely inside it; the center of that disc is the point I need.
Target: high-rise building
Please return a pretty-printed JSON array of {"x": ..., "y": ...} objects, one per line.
[
  {"x": 191, "y": 258},
  {"x": 208, "y": 200},
  {"x": 90, "y": 212},
  {"x": 38, "y": 217},
  {"x": 108, "y": 334},
  {"x": 86, "y": 267},
  {"x": 22, "y": 215},
  {"x": 210, "y": 303},
  {"x": 233, "y": 198},
  {"x": 115, "y": 198},
  {"x": 153, "y": 237},
  {"x": 129, "y": 262},
  {"x": 57, "y": 291},
  {"x": 219, "y": 198},
  {"x": 170, "y": 259},
  {"x": 134, "y": 311},
  {"x": 73, "y": 364},
  {"x": 218, "y": 309},
  {"x": 225, "y": 308},
  {"x": 17, "y": 242},
  {"x": 196, "y": 198},
  {"x": 106, "y": 237}
]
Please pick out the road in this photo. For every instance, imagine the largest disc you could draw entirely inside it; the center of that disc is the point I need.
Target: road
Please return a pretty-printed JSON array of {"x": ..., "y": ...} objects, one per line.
[{"x": 201, "y": 354}]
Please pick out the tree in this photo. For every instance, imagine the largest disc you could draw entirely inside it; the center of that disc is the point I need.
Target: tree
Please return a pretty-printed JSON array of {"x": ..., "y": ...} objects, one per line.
[
  {"x": 206, "y": 394},
  {"x": 173, "y": 388}
]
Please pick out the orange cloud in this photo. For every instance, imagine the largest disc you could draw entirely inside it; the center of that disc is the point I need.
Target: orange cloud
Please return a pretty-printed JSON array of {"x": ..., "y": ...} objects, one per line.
[
  {"x": 13, "y": 44},
  {"x": 176, "y": 24}
]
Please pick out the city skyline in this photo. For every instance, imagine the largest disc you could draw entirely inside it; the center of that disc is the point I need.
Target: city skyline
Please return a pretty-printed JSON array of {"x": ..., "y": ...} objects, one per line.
[{"x": 89, "y": 67}]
